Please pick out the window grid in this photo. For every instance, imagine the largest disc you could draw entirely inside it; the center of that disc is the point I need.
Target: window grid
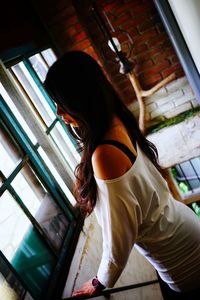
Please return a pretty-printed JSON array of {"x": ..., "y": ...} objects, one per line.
[
  {"x": 72, "y": 155},
  {"x": 26, "y": 96},
  {"x": 19, "y": 201},
  {"x": 185, "y": 174},
  {"x": 33, "y": 155},
  {"x": 33, "y": 158}
]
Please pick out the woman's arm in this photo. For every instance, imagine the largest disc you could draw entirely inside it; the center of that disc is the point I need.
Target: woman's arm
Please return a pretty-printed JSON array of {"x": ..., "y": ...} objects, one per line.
[{"x": 119, "y": 218}]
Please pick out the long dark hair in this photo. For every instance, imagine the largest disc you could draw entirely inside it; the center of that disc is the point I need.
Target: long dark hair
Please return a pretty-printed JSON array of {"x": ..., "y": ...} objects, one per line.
[{"x": 77, "y": 83}]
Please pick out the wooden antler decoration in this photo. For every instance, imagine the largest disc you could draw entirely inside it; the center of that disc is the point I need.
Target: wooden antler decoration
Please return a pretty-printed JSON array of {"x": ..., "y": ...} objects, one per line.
[{"x": 141, "y": 94}]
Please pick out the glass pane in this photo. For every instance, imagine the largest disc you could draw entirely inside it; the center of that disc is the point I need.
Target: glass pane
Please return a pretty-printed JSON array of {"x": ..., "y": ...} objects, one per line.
[
  {"x": 10, "y": 286},
  {"x": 195, "y": 180},
  {"x": 57, "y": 177},
  {"x": 17, "y": 115},
  {"x": 65, "y": 145},
  {"x": 34, "y": 93},
  {"x": 41, "y": 205},
  {"x": 10, "y": 154},
  {"x": 187, "y": 175},
  {"x": 49, "y": 56},
  {"x": 39, "y": 66},
  {"x": 22, "y": 246}
]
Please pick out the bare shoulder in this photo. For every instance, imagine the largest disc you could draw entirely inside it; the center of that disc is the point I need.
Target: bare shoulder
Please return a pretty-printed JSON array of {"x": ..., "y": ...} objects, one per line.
[{"x": 109, "y": 162}]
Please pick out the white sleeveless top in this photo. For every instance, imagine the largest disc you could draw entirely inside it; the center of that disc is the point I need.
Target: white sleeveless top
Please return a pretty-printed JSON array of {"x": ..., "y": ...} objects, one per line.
[{"x": 138, "y": 209}]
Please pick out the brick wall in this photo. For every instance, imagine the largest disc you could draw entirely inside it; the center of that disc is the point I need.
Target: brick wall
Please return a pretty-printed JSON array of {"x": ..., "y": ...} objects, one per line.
[
  {"x": 171, "y": 100},
  {"x": 71, "y": 25},
  {"x": 152, "y": 52},
  {"x": 63, "y": 26}
]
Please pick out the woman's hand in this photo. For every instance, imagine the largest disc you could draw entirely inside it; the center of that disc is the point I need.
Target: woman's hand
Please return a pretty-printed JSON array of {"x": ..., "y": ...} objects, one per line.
[{"x": 86, "y": 290}]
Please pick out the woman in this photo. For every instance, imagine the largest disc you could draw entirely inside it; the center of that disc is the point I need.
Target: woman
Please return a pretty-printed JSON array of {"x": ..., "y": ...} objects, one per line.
[{"x": 120, "y": 179}]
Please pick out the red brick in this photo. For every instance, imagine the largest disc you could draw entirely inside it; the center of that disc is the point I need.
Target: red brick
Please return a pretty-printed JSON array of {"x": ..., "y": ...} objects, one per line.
[
  {"x": 80, "y": 36},
  {"x": 82, "y": 45},
  {"x": 121, "y": 20},
  {"x": 141, "y": 9},
  {"x": 130, "y": 28},
  {"x": 151, "y": 33},
  {"x": 150, "y": 81},
  {"x": 63, "y": 17},
  {"x": 118, "y": 77},
  {"x": 78, "y": 27},
  {"x": 122, "y": 38},
  {"x": 158, "y": 40},
  {"x": 156, "y": 68},
  {"x": 137, "y": 20},
  {"x": 152, "y": 52},
  {"x": 71, "y": 21},
  {"x": 129, "y": 89},
  {"x": 123, "y": 84},
  {"x": 147, "y": 64},
  {"x": 145, "y": 26},
  {"x": 127, "y": 7},
  {"x": 90, "y": 50},
  {"x": 112, "y": 7},
  {"x": 71, "y": 31},
  {"x": 129, "y": 96},
  {"x": 161, "y": 57},
  {"x": 138, "y": 49},
  {"x": 173, "y": 69},
  {"x": 144, "y": 65}
]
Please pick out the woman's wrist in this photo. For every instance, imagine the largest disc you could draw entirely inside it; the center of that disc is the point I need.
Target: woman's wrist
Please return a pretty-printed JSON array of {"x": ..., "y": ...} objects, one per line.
[{"x": 97, "y": 284}]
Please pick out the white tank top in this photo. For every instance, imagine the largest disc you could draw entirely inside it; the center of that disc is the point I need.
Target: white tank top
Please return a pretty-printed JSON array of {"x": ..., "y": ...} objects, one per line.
[{"x": 137, "y": 209}]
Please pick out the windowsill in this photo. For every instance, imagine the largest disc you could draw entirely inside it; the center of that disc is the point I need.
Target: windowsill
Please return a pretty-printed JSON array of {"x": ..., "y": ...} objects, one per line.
[{"x": 173, "y": 121}]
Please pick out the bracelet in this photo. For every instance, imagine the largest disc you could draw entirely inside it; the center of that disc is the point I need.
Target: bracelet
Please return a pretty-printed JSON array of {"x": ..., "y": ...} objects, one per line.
[{"x": 97, "y": 284}]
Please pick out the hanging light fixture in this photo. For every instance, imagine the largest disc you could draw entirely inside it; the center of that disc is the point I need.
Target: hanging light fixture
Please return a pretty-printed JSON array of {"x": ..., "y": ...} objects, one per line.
[{"x": 126, "y": 65}]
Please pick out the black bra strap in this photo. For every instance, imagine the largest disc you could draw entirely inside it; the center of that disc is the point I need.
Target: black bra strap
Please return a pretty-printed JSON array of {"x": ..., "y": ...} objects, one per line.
[{"x": 122, "y": 147}]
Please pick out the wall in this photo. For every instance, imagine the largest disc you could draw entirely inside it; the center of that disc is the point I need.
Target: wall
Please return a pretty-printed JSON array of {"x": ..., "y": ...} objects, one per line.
[
  {"x": 71, "y": 25},
  {"x": 152, "y": 51},
  {"x": 178, "y": 143},
  {"x": 171, "y": 100},
  {"x": 20, "y": 28}
]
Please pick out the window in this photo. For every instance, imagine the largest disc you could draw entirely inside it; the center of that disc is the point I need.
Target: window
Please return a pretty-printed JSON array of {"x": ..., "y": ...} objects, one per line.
[
  {"x": 187, "y": 178},
  {"x": 37, "y": 161},
  {"x": 187, "y": 175},
  {"x": 172, "y": 25}
]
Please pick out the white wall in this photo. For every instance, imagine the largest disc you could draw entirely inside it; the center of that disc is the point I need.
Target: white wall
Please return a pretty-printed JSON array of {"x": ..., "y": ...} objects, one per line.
[
  {"x": 171, "y": 100},
  {"x": 178, "y": 143},
  {"x": 187, "y": 14}
]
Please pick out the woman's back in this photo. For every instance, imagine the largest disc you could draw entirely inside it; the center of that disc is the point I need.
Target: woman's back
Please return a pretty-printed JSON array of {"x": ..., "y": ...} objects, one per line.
[{"x": 164, "y": 230}]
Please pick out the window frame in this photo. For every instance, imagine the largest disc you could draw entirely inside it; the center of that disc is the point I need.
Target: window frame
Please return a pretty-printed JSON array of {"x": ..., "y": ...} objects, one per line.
[
  {"x": 179, "y": 44},
  {"x": 57, "y": 279}
]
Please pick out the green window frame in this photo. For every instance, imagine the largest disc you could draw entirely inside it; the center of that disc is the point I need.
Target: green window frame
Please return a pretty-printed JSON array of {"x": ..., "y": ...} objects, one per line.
[{"x": 44, "y": 278}]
